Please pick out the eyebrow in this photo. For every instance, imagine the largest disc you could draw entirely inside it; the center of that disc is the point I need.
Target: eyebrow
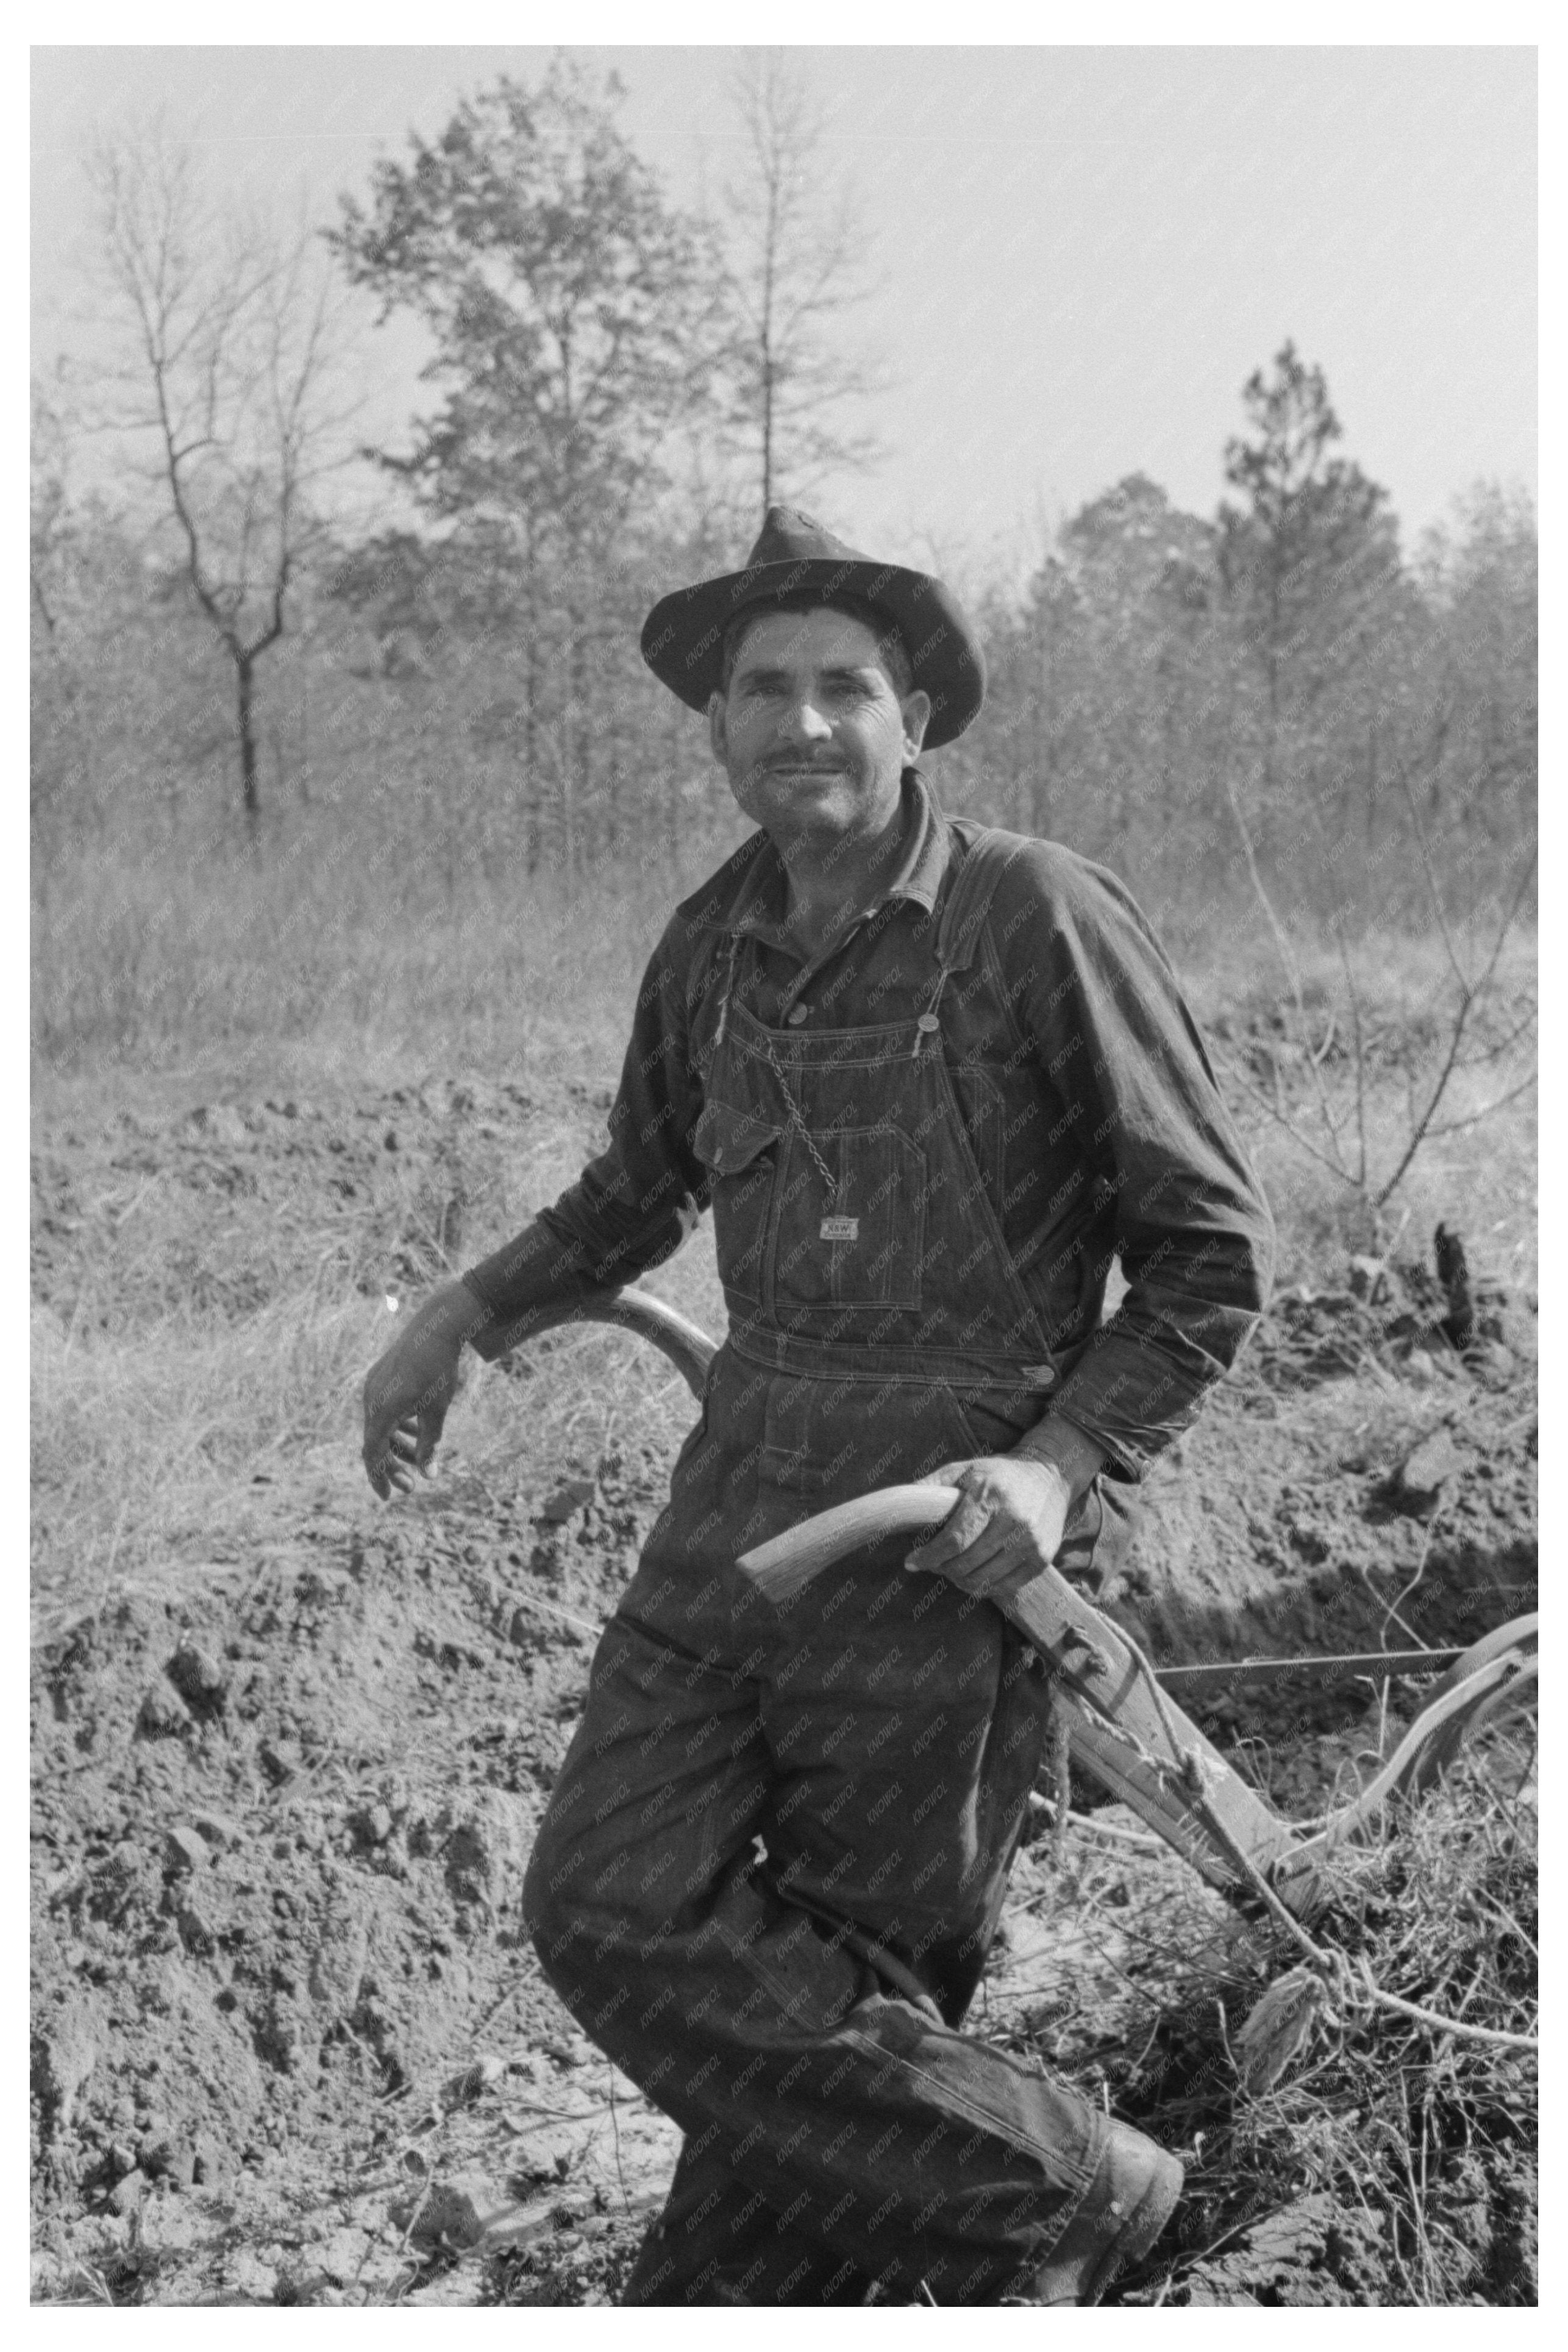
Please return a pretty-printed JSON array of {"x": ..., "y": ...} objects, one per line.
[{"x": 766, "y": 673}]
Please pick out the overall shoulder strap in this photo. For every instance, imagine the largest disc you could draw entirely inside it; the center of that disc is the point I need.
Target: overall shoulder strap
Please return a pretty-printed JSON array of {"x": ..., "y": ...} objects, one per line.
[{"x": 987, "y": 854}]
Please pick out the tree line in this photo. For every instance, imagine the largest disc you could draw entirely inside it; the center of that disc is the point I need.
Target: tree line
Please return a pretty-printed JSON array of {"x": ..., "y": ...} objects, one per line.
[{"x": 246, "y": 639}]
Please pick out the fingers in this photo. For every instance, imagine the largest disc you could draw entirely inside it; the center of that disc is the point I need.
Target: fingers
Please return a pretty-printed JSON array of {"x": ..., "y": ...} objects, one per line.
[
  {"x": 995, "y": 1567},
  {"x": 430, "y": 1423},
  {"x": 980, "y": 1546},
  {"x": 388, "y": 1458},
  {"x": 1005, "y": 1575},
  {"x": 986, "y": 1565},
  {"x": 960, "y": 1529}
]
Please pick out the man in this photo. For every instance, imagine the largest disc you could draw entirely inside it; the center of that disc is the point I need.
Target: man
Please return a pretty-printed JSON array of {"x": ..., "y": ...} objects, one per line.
[{"x": 931, "y": 1080}]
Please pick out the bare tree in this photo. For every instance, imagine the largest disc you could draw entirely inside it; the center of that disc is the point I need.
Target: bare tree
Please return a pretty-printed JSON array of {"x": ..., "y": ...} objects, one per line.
[
  {"x": 235, "y": 335},
  {"x": 797, "y": 268}
]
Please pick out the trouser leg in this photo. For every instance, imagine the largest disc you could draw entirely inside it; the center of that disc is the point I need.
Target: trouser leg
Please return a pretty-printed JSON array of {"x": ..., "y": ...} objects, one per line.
[
  {"x": 718, "y": 2240},
  {"x": 873, "y": 2131}
]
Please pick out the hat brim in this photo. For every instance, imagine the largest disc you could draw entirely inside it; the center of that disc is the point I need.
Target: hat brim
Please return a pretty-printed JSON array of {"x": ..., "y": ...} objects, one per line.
[{"x": 683, "y": 636}]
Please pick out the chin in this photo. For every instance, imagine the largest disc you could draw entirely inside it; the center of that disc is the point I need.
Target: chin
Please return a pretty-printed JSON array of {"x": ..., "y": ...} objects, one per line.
[{"x": 815, "y": 812}]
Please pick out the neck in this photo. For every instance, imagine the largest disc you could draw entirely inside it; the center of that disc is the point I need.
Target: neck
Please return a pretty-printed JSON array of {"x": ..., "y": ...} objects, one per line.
[{"x": 831, "y": 882}]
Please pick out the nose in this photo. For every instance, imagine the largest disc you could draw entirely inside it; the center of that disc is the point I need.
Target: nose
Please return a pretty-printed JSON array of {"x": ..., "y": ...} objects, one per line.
[{"x": 802, "y": 723}]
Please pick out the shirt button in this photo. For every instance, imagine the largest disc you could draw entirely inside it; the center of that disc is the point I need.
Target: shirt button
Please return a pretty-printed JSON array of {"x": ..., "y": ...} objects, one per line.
[{"x": 795, "y": 1015}]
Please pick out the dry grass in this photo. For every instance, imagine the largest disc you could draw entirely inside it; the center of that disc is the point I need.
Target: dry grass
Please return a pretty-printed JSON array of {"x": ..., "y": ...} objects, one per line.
[
  {"x": 1381, "y": 1059},
  {"x": 1390, "y": 2162},
  {"x": 1395, "y": 2162},
  {"x": 196, "y": 1381},
  {"x": 205, "y": 1341},
  {"x": 335, "y": 947},
  {"x": 163, "y": 1454}
]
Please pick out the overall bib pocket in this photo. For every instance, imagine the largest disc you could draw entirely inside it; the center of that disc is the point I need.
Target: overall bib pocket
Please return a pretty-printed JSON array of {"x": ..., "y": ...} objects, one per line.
[
  {"x": 787, "y": 1238},
  {"x": 862, "y": 1245}
]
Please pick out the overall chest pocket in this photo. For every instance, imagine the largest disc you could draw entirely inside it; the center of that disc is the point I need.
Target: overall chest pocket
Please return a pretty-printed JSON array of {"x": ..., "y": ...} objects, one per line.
[
  {"x": 784, "y": 1239},
  {"x": 741, "y": 1150},
  {"x": 860, "y": 1243}
]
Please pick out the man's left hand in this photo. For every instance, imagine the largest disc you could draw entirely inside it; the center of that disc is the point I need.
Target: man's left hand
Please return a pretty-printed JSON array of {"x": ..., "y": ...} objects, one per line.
[{"x": 1008, "y": 1525}]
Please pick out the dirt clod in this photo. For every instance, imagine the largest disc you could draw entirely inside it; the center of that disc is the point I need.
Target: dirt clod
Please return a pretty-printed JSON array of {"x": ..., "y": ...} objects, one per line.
[
  {"x": 198, "y": 1676},
  {"x": 567, "y": 1499},
  {"x": 184, "y": 1848},
  {"x": 1424, "y": 1474}
]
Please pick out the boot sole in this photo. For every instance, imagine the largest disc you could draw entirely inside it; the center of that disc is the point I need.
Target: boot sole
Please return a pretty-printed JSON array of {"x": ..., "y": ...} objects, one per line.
[{"x": 1142, "y": 2227}]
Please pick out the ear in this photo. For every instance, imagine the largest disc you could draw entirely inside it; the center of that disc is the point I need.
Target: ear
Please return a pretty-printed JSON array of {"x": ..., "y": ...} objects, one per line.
[
  {"x": 916, "y": 710},
  {"x": 717, "y": 737}
]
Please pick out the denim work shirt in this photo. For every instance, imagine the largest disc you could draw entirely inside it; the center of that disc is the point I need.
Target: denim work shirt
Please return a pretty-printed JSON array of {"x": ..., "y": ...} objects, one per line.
[{"x": 781, "y": 1091}]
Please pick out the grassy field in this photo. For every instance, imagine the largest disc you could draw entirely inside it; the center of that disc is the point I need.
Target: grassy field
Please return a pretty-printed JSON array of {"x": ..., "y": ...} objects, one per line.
[{"x": 215, "y": 1283}]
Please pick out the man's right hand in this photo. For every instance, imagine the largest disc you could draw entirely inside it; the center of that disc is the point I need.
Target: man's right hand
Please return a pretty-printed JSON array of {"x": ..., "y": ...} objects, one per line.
[{"x": 407, "y": 1390}]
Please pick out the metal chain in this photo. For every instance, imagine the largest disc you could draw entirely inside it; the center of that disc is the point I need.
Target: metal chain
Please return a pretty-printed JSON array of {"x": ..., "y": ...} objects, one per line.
[{"x": 830, "y": 1182}]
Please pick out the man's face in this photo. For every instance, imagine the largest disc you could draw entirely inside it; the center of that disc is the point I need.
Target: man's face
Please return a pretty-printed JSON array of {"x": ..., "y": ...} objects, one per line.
[{"x": 812, "y": 733}]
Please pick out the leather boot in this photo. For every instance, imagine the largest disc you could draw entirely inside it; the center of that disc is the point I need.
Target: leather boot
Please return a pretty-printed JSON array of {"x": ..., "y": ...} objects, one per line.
[{"x": 1130, "y": 2200}]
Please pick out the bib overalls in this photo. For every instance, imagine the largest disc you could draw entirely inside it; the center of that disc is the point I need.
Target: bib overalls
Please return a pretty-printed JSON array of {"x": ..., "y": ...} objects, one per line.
[{"x": 769, "y": 1874}]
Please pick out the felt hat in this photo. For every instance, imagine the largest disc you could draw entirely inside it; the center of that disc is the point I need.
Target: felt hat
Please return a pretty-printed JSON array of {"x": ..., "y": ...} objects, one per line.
[{"x": 683, "y": 636}]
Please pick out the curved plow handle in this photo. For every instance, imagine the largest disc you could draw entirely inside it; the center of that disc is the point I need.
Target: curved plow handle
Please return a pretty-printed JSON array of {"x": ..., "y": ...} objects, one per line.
[
  {"x": 686, "y": 1344},
  {"x": 1134, "y": 1740},
  {"x": 791, "y": 1561}
]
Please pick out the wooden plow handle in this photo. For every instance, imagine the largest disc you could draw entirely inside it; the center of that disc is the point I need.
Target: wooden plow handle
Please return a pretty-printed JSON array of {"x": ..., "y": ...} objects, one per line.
[
  {"x": 1136, "y": 1741},
  {"x": 687, "y": 1346}
]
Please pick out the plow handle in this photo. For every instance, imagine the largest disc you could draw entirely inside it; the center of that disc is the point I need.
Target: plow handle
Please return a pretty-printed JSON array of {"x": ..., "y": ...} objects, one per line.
[
  {"x": 792, "y": 1560},
  {"x": 685, "y": 1344}
]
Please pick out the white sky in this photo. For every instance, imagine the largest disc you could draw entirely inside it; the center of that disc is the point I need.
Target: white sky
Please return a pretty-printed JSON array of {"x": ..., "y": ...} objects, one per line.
[{"x": 1084, "y": 251}]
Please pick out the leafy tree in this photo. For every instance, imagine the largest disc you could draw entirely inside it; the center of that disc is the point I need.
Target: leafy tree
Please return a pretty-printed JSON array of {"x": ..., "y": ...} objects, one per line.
[
  {"x": 574, "y": 317},
  {"x": 1109, "y": 682},
  {"x": 1311, "y": 560}
]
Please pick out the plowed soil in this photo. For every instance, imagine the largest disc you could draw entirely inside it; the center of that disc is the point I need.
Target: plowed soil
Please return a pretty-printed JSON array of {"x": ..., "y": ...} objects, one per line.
[{"x": 290, "y": 2044}]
